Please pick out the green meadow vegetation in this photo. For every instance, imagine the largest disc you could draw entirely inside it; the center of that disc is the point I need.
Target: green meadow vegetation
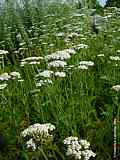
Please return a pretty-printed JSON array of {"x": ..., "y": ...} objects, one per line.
[{"x": 77, "y": 93}]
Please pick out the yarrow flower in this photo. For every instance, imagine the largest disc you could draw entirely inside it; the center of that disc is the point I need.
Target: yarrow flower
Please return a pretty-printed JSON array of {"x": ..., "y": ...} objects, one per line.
[
  {"x": 43, "y": 82},
  {"x": 15, "y": 75},
  {"x": 3, "y": 52},
  {"x": 39, "y": 134},
  {"x": 60, "y": 74},
  {"x": 31, "y": 61},
  {"x": 57, "y": 63},
  {"x": 116, "y": 88},
  {"x": 87, "y": 63},
  {"x": 79, "y": 149},
  {"x": 2, "y": 86},
  {"x": 61, "y": 55},
  {"x": 100, "y": 55},
  {"x": 45, "y": 73},
  {"x": 115, "y": 58},
  {"x": 81, "y": 46},
  {"x": 5, "y": 77},
  {"x": 84, "y": 67}
]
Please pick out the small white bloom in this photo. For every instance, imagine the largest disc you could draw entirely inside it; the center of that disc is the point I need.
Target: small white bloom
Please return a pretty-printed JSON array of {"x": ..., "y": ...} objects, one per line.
[
  {"x": 23, "y": 63},
  {"x": 31, "y": 144},
  {"x": 3, "y": 52},
  {"x": 43, "y": 82},
  {"x": 84, "y": 67},
  {"x": 34, "y": 62},
  {"x": 15, "y": 74},
  {"x": 115, "y": 58},
  {"x": 4, "y": 77},
  {"x": 2, "y": 86},
  {"x": 87, "y": 63},
  {"x": 81, "y": 46},
  {"x": 116, "y": 88},
  {"x": 32, "y": 59},
  {"x": 57, "y": 63},
  {"x": 60, "y": 74},
  {"x": 84, "y": 143},
  {"x": 100, "y": 55},
  {"x": 45, "y": 73}
]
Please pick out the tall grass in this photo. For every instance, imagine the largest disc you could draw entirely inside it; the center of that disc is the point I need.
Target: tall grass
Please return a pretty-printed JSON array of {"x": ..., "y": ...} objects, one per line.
[{"x": 82, "y": 103}]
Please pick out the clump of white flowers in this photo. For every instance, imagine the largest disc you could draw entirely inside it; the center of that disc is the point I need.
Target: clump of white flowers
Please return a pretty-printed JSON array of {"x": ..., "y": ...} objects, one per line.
[
  {"x": 45, "y": 73},
  {"x": 61, "y": 55},
  {"x": 81, "y": 46},
  {"x": 8, "y": 76},
  {"x": 115, "y": 58},
  {"x": 84, "y": 67},
  {"x": 57, "y": 63},
  {"x": 31, "y": 61},
  {"x": 15, "y": 75},
  {"x": 4, "y": 77},
  {"x": 78, "y": 148},
  {"x": 87, "y": 63},
  {"x": 60, "y": 74},
  {"x": 43, "y": 82},
  {"x": 38, "y": 134},
  {"x": 116, "y": 88},
  {"x": 3, "y": 52},
  {"x": 2, "y": 86}
]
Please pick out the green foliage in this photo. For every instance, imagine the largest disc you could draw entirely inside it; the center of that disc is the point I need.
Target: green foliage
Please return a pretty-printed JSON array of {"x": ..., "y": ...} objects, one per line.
[{"x": 80, "y": 104}]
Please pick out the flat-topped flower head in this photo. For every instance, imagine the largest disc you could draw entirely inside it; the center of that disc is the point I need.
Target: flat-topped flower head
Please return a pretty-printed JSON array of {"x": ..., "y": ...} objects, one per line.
[
  {"x": 87, "y": 63},
  {"x": 3, "y": 52},
  {"x": 15, "y": 75},
  {"x": 45, "y": 73},
  {"x": 60, "y": 74},
  {"x": 39, "y": 134},
  {"x": 32, "y": 59},
  {"x": 61, "y": 55},
  {"x": 78, "y": 149},
  {"x": 116, "y": 88},
  {"x": 115, "y": 58},
  {"x": 5, "y": 77},
  {"x": 57, "y": 63},
  {"x": 43, "y": 82},
  {"x": 2, "y": 86}
]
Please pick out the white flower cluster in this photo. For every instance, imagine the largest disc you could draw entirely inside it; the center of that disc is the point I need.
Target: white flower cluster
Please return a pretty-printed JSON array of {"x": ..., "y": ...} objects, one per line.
[
  {"x": 31, "y": 60},
  {"x": 15, "y": 75},
  {"x": 115, "y": 58},
  {"x": 61, "y": 55},
  {"x": 48, "y": 74},
  {"x": 74, "y": 34},
  {"x": 57, "y": 63},
  {"x": 45, "y": 73},
  {"x": 38, "y": 133},
  {"x": 5, "y": 77},
  {"x": 2, "y": 86},
  {"x": 79, "y": 149},
  {"x": 116, "y": 88},
  {"x": 60, "y": 74},
  {"x": 81, "y": 46},
  {"x": 43, "y": 82},
  {"x": 85, "y": 64},
  {"x": 12, "y": 75},
  {"x": 3, "y": 52},
  {"x": 100, "y": 55}
]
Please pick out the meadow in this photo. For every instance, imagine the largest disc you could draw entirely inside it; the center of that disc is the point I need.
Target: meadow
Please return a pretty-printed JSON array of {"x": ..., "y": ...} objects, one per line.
[{"x": 55, "y": 70}]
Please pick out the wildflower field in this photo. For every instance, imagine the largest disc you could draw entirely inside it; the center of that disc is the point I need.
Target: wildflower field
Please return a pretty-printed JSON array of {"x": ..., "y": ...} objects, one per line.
[{"x": 59, "y": 82}]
